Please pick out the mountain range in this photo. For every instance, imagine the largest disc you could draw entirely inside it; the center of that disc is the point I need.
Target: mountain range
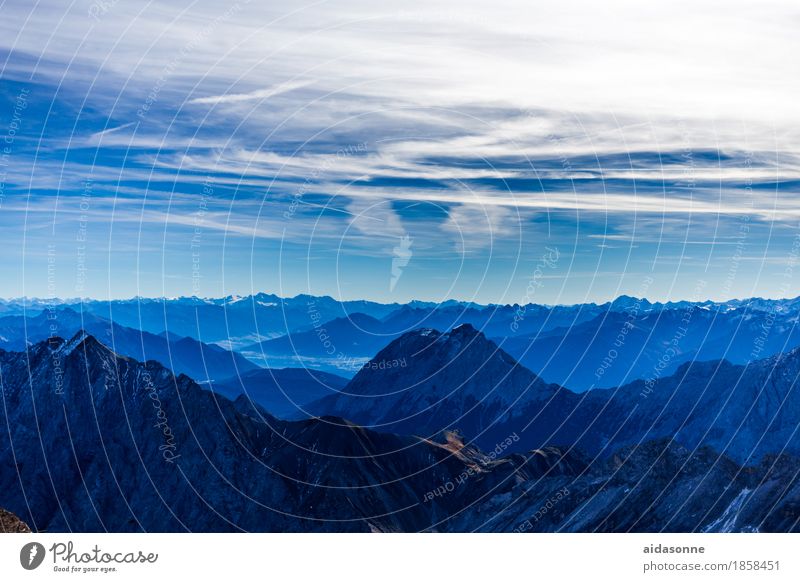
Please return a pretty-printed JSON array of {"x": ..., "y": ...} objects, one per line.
[
  {"x": 463, "y": 438},
  {"x": 461, "y": 379},
  {"x": 581, "y": 346},
  {"x": 185, "y": 355}
]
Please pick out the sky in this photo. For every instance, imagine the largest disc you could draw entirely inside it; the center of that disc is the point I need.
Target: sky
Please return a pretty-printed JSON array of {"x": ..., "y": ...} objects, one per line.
[{"x": 502, "y": 152}]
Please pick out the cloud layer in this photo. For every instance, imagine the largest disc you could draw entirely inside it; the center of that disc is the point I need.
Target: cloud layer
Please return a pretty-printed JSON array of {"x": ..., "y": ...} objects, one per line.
[{"x": 304, "y": 144}]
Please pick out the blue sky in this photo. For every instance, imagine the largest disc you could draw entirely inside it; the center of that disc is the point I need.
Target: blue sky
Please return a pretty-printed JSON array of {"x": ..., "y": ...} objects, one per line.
[{"x": 408, "y": 150}]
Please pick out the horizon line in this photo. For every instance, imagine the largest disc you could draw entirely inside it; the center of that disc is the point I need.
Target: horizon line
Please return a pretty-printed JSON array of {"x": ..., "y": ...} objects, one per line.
[{"x": 238, "y": 298}]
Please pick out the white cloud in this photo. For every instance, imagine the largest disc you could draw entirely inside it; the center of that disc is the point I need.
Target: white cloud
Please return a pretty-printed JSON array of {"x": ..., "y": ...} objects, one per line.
[
  {"x": 259, "y": 95},
  {"x": 96, "y": 137}
]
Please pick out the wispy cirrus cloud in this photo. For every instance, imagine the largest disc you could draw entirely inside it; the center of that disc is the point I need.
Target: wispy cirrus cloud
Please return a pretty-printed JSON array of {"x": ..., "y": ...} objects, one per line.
[
  {"x": 259, "y": 95},
  {"x": 489, "y": 130}
]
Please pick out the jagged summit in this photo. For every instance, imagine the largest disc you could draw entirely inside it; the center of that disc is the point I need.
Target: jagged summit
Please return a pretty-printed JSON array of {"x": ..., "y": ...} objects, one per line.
[
  {"x": 82, "y": 345},
  {"x": 464, "y": 330},
  {"x": 81, "y": 340}
]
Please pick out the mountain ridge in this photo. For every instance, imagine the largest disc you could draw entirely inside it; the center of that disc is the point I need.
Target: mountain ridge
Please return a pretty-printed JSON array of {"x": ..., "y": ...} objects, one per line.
[
  {"x": 745, "y": 411},
  {"x": 151, "y": 451}
]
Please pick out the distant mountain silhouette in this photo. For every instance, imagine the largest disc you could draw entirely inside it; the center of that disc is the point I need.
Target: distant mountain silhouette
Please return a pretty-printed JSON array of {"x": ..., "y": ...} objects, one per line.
[
  {"x": 358, "y": 335},
  {"x": 618, "y": 347},
  {"x": 241, "y": 320},
  {"x": 580, "y": 346}
]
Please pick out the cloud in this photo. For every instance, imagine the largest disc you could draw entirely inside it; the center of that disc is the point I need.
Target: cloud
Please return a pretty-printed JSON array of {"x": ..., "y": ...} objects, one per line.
[
  {"x": 259, "y": 95},
  {"x": 96, "y": 137},
  {"x": 478, "y": 227},
  {"x": 508, "y": 119}
]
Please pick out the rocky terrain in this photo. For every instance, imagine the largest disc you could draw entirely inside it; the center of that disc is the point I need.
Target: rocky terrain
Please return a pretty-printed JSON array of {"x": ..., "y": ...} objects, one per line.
[
  {"x": 10, "y": 523},
  {"x": 92, "y": 441}
]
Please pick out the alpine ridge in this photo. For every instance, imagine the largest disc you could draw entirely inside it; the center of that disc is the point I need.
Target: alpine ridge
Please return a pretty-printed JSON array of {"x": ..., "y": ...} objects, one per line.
[{"x": 138, "y": 448}]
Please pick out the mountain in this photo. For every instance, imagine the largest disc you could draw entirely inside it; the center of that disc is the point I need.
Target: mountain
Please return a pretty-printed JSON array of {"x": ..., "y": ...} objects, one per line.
[
  {"x": 284, "y": 392},
  {"x": 745, "y": 412},
  {"x": 202, "y": 362},
  {"x": 427, "y": 381},
  {"x": 658, "y": 486},
  {"x": 577, "y": 346},
  {"x": 148, "y": 451},
  {"x": 91, "y": 441},
  {"x": 461, "y": 380},
  {"x": 618, "y": 347},
  {"x": 580, "y": 347},
  {"x": 493, "y": 320},
  {"x": 232, "y": 321}
]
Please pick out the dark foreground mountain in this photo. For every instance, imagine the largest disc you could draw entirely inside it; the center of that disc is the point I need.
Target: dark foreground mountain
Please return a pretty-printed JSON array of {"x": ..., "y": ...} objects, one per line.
[
  {"x": 656, "y": 487},
  {"x": 426, "y": 382},
  {"x": 90, "y": 441},
  {"x": 94, "y": 442}
]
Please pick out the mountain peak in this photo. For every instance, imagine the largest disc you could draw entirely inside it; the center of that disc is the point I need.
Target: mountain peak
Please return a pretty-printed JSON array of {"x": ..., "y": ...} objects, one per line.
[
  {"x": 82, "y": 342},
  {"x": 430, "y": 347},
  {"x": 464, "y": 330},
  {"x": 62, "y": 346},
  {"x": 426, "y": 382}
]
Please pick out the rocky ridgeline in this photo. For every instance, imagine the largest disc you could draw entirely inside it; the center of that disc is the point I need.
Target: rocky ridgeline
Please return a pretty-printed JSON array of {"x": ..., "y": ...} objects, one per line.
[{"x": 92, "y": 441}]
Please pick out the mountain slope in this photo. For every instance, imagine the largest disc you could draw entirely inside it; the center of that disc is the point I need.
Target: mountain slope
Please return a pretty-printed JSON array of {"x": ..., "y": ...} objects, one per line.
[
  {"x": 284, "y": 391},
  {"x": 618, "y": 347},
  {"x": 745, "y": 412},
  {"x": 356, "y": 335},
  {"x": 426, "y": 382},
  {"x": 463, "y": 381},
  {"x": 658, "y": 486},
  {"x": 185, "y": 355},
  {"x": 90, "y": 441},
  {"x": 136, "y": 448}
]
